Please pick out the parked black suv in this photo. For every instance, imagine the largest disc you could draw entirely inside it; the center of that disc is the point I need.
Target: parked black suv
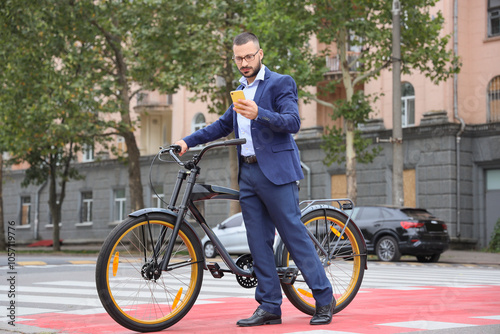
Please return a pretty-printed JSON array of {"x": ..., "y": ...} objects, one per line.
[{"x": 392, "y": 231}]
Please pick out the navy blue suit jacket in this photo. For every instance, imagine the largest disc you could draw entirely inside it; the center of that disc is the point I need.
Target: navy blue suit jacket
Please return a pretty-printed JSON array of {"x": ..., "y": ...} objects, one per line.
[{"x": 278, "y": 118}]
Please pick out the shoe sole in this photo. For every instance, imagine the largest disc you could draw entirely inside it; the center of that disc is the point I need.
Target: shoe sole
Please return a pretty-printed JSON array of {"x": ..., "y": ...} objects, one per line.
[
  {"x": 320, "y": 323},
  {"x": 269, "y": 322}
]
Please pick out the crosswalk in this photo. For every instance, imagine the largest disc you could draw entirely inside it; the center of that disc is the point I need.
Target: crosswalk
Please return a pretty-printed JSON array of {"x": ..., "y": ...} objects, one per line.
[
  {"x": 80, "y": 297},
  {"x": 70, "y": 300},
  {"x": 417, "y": 276}
]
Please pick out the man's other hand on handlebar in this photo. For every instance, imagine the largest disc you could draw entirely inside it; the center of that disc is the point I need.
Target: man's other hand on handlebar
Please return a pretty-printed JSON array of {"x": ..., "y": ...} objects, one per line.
[{"x": 183, "y": 146}]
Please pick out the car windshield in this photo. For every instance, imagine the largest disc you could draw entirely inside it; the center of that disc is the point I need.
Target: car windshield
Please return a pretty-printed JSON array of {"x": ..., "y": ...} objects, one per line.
[{"x": 418, "y": 214}]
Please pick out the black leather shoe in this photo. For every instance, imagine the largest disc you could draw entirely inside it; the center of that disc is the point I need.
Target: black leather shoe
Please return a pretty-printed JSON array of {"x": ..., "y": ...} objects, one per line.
[
  {"x": 323, "y": 314},
  {"x": 260, "y": 317}
]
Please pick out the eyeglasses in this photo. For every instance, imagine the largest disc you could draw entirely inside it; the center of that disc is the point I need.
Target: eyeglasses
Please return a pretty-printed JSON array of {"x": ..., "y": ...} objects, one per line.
[{"x": 248, "y": 58}]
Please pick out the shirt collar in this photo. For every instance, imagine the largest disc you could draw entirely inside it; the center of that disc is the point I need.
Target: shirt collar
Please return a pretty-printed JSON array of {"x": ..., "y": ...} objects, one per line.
[{"x": 260, "y": 76}]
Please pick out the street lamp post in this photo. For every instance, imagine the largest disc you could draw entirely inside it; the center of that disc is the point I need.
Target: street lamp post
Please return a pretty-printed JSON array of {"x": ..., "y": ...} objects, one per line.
[{"x": 397, "y": 129}]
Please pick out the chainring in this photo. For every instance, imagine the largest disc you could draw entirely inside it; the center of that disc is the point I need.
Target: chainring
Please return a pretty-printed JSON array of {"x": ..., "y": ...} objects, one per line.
[{"x": 246, "y": 262}]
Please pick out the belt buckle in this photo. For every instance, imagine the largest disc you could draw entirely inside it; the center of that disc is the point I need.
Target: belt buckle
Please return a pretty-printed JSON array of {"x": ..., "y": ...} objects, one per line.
[{"x": 251, "y": 159}]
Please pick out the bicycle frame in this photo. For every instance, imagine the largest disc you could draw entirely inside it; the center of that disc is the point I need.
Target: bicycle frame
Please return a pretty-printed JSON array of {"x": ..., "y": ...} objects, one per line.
[
  {"x": 156, "y": 256},
  {"x": 198, "y": 192}
]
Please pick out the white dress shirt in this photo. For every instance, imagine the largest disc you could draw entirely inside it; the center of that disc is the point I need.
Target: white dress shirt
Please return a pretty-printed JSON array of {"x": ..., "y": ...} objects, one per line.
[{"x": 244, "y": 124}]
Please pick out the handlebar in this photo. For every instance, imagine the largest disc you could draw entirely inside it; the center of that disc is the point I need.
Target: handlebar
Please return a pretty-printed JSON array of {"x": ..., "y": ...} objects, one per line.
[{"x": 174, "y": 149}]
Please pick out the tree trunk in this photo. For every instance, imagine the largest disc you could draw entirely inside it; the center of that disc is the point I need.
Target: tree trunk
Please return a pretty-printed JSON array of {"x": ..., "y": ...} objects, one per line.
[
  {"x": 3, "y": 244},
  {"x": 350, "y": 153},
  {"x": 350, "y": 162},
  {"x": 55, "y": 208},
  {"x": 134, "y": 172}
]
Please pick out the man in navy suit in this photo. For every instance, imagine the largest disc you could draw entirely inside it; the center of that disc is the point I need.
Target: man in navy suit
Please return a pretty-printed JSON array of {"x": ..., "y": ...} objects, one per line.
[{"x": 269, "y": 167}]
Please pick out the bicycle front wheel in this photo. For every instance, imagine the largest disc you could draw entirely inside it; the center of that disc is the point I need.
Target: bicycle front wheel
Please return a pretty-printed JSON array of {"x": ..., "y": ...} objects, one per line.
[
  {"x": 344, "y": 268},
  {"x": 131, "y": 286}
]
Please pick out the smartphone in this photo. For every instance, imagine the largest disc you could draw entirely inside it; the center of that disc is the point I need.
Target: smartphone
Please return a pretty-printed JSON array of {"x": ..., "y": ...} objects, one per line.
[{"x": 236, "y": 95}]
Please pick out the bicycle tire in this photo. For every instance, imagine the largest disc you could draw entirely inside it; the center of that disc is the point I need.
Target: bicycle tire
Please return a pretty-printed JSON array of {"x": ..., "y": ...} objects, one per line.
[
  {"x": 154, "y": 303},
  {"x": 345, "y": 269}
]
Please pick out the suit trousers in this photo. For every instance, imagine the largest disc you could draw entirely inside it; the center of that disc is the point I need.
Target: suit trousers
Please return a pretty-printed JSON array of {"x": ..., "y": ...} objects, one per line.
[{"x": 266, "y": 206}]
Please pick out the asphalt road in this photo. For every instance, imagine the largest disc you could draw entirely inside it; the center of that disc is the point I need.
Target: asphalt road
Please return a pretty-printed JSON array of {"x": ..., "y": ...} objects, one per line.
[{"x": 56, "y": 294}]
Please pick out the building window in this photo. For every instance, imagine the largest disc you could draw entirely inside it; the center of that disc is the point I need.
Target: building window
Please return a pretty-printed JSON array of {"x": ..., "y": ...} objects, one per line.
[
  {"x": 407, "y": 104},
  {"x": 120, "y": 145},
  {"x": 157, "y": 197},
  {"x": 87, "y": 207},
  {"x": 119, "y": 207},
  {"x": 198, "y": 122},
  {"x": 25, "y": 210},
  {"x": 493, "y": 18},
  {"x": 88, "y": 153},
  {"x": 494, "y": 99}
]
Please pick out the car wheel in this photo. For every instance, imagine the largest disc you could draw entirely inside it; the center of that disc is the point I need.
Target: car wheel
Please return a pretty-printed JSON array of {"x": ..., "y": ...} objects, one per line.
[
  {"x": 209, "y": 250},
  {"x": 428, "y": 258},
  {"x": 387, "y": 249}
]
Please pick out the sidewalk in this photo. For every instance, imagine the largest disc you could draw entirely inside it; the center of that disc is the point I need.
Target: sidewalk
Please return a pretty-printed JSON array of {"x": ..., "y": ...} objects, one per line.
[{"x": 470, "y": 257}]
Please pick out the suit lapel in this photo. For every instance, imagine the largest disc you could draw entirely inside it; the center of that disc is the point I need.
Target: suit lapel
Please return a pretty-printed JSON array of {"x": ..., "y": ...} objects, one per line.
[{"x": 262, "y": 86}]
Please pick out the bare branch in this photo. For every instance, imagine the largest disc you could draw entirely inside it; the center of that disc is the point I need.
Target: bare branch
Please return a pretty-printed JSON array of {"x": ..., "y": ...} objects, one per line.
[
  {"x": 371, "y": 73},
  {"x": 315, "y": 98}
]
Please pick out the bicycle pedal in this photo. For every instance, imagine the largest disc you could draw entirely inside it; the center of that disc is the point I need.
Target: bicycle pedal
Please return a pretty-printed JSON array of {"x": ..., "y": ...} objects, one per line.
[
  {"x": 215, "y": 270},
  {"x": 289, "y": 276}
]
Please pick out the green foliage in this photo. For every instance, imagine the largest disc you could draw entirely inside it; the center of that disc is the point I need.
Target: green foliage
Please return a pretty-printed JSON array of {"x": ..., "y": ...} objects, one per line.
[
  {"x": 285, "y": 29},
  {"x": 47, "y": 109},
  {"x": 494, "y": 245},
  {"x": 366, "y": 26},
  {"x": 334, "y": 143},
  {"x": 203, "y": 61}
]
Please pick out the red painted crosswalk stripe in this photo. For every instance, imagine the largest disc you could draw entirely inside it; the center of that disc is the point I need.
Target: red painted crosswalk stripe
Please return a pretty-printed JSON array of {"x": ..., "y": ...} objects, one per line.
[{"x": 372, "y": 311}]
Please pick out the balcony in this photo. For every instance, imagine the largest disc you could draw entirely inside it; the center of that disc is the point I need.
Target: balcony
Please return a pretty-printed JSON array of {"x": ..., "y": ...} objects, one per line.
[{"x": 334, "y": 71}]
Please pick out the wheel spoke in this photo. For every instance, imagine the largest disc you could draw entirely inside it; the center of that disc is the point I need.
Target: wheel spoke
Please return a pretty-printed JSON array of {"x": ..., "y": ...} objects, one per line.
[
  {"x": 344, "y": 268},
  {"x": 130, "y": 283}
]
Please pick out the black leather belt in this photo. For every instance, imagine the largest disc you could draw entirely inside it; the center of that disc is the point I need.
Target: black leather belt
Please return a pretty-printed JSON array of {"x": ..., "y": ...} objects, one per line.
[{"x": 251, "y": 159}]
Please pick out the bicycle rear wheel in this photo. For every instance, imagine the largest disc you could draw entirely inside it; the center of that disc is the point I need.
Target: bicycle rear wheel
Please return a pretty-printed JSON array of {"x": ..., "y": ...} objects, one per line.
[
  {"x": 133, "y": 292},
  {"x": 345, "y": 269}
]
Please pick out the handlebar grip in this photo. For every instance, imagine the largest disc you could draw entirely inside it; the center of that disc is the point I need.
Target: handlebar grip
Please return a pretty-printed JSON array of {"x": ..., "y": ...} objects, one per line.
[
  {"x": 176, "y": 148},
  {"x": 239, "y": 141}
]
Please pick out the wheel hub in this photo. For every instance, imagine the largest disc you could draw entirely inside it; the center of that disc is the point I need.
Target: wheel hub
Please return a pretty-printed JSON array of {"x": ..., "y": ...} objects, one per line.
[{"x": 150, "y": 271}]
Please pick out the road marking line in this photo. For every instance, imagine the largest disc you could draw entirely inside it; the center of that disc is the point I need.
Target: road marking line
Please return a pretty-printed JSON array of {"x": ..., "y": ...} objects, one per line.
[
  {"x": 32, "y": 263},
  {"x": 83, "y": 262},
  {"x": 491, "y": 317},
  {"x": 23, "y": 311},
  {"x": 428, "y": 325}
]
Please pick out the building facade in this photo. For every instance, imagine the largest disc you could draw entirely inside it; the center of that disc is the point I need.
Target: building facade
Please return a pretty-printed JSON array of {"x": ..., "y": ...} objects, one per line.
[{"x": 451, "y": 141}]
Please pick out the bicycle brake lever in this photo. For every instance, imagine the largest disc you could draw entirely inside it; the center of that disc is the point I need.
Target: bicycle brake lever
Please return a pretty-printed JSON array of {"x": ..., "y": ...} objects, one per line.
[{"x": 172, "y": 150}]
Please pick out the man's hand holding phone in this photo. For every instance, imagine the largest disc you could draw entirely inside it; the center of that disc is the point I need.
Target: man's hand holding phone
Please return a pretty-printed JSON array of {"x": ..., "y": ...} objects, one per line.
[{"x": 246, "y": 108}]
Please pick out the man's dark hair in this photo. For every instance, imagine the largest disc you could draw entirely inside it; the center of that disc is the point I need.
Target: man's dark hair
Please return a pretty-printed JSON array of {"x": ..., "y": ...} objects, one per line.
[{"x": 246, "y": 37}]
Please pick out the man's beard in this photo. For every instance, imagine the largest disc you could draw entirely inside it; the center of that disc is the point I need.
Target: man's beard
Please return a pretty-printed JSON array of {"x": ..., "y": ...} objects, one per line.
[{"x": 254, "y": 72}]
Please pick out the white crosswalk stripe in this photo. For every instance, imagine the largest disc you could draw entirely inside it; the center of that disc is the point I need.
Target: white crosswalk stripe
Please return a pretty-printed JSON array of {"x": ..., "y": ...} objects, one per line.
[
  {"x": 56, "y": 296},
  {"x": 80, "y": 297},
  {"x": 383, "y": 276}
]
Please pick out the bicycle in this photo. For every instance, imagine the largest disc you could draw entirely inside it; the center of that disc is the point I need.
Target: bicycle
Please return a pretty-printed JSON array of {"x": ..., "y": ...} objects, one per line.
[{"x": 149, "y": 271}]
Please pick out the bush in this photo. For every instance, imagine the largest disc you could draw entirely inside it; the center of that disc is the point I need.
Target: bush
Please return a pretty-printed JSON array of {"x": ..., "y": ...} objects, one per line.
[{"x": 495, "y": 239}]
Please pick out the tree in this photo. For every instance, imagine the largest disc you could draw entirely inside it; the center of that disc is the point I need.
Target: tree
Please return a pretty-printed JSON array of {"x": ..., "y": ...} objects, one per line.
[
  {"x": 283, "y": 29},
  {"x": 367, "y": 26},
  {"x": 48, "y": 113},
  {"x": 68, "y": 66}
]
